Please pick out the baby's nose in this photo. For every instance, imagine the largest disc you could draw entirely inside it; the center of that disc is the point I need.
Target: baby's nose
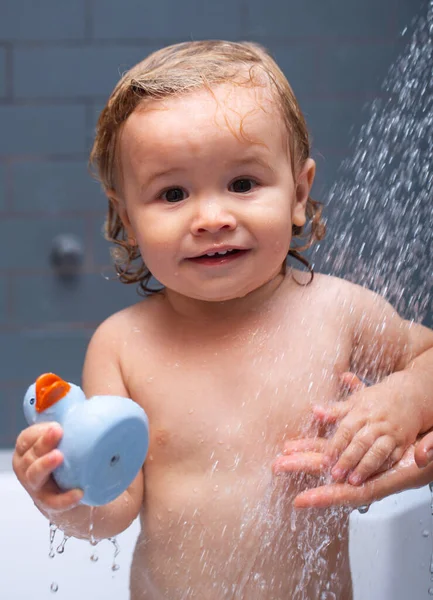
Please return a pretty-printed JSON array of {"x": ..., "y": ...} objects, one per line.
[{"x": 211, "y": 216}]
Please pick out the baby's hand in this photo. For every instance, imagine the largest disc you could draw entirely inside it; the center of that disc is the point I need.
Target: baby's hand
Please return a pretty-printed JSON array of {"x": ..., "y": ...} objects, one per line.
[
  {"x": 35, "y": 458},
  {"x": 372, "y": 434}
]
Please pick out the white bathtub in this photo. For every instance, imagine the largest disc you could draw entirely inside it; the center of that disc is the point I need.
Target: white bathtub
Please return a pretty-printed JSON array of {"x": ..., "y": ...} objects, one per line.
[{"x": 390, "y": 551}]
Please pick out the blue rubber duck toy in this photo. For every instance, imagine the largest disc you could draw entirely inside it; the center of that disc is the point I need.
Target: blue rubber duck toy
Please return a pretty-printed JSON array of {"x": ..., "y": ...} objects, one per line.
[{"x": 105, "y": 439}]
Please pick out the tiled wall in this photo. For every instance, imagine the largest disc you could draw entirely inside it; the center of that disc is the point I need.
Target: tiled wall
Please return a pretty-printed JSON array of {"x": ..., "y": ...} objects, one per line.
[{"x": 59, "y": 60}]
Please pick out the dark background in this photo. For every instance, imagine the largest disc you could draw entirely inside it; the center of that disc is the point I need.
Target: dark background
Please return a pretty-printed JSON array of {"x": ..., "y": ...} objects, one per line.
[{"x": 59, "y": 60}]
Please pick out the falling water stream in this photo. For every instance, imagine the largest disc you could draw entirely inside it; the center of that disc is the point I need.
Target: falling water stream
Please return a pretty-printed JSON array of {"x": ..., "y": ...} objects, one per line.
[
  {"x": 381, "y": 205},
  {"x": 380, "y": 230}
]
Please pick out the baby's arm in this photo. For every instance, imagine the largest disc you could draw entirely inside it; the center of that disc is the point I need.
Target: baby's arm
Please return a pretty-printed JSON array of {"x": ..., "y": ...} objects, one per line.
[
  {"x": 36, "y": 454},
  {"x": 378, "y": 423}
]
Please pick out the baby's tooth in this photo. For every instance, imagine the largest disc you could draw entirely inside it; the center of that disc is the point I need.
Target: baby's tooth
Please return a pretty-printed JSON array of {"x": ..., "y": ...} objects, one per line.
[
  {"x": 223, "y": 252},
  {"x": 211, "y": 254}
]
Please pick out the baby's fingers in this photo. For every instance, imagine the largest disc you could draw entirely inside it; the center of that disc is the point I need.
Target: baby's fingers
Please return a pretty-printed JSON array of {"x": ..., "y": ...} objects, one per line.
[
  {"x": 59, "y": 501},
  {"x": 381, "y": 456},
  {"x": 41, "y": 438},
  {"x": 349, "y": 448},
  {"x": 39, "y": 471}
]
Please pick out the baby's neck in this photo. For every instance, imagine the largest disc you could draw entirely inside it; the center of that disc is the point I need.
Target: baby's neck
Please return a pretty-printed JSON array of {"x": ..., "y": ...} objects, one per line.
[{"x": 223, "y": 313}]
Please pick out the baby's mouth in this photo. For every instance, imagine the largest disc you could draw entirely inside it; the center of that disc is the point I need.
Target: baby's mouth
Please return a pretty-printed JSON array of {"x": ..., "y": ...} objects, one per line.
[{"x": 219, "y": 257}]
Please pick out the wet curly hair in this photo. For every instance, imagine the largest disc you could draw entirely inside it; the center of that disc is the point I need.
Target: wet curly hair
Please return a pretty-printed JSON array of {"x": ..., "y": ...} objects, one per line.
[{"x": 179, "y": 69}]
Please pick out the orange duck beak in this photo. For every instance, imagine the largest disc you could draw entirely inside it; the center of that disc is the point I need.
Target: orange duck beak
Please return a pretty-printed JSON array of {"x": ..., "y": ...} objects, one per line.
[{"x": 49, "y": 389}]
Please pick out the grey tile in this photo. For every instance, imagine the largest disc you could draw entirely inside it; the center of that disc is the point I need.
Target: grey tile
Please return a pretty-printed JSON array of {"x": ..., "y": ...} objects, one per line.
[
  {"x": 351, "y": 67},
  {"x": 292, "y": 19},
  {"x": 3, "y": 299},
  {"x": 334, "y": 123},
  {"x": 2, "y": 186},
  {"x": 26, "y": 243},
  {"x": 79, "y": 71},
  {"x": 11, "y": 417},
  {"x": 407, "y": 14},
  {"x": 42, "y": 20},
  {"x": 299, "y": 63},
  {"x": 2, "y": 72},
  {"x": 27, "y": 354},
  {"x": 90, "y": 298},
  {"x": 42, "y": 129},
  {"x": 100, "y": 246},
  {"x": 327, "y": 168},
  {"x": 55, "y": 186},
  {"x": 190, "y": 19}
]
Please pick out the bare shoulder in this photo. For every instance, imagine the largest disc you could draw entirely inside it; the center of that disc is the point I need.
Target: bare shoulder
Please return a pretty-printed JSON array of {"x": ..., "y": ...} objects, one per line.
[
  {"x": 346, "y": 294},
  {"x": 103, "y": 370}
]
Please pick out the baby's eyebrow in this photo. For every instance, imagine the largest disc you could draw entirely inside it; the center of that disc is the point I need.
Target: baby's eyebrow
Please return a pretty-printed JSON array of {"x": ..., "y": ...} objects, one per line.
[
  {"x": 249, "y": 160},
  {"x": 156, "y": 175}
]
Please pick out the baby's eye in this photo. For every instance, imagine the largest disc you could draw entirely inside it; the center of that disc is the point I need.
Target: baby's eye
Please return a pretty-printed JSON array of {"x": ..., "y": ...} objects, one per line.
[
  {"x": 242, "y": 186},
  {"x": 174, "y": 195}
]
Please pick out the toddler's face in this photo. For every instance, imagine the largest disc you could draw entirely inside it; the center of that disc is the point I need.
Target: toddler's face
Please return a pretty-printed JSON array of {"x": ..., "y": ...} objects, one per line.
[{"x": 208, "y": 192}]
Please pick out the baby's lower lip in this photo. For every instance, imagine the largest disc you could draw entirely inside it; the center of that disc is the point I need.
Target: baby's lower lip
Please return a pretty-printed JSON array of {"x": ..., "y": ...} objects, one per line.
[{"x": 218, "y": 259}]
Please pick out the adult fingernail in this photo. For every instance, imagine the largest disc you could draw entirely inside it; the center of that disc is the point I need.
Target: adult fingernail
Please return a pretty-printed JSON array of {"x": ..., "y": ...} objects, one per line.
[
  {"x": 338, "y": 473},
  {"x": 355, "y": 479}
]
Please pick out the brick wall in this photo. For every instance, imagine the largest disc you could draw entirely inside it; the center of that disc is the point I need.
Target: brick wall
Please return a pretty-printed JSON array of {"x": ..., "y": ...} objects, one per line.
[{"x": 58, "y": 62}]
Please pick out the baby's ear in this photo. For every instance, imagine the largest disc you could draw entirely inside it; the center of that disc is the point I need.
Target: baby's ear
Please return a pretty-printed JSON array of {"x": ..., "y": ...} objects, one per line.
[
  {"x": 119, "y": 206},
  {"x": 304, "y": 183}
]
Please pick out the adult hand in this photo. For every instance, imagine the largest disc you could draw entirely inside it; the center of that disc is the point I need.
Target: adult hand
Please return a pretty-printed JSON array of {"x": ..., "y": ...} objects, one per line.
[{"x": 308, "y": 456}]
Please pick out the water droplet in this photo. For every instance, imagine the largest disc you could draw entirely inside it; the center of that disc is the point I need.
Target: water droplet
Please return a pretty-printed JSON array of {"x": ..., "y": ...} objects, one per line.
[
  {"x": 430, "y": 591},
  {"x": 115, "y": 566},
  {"x": 94, "y": 557},
  {"x": 54, "y": 587},
  {"x": 53, "y": 530},
  {"x": 215, "y": 488},
  {"x": 61, "y": 546},
  {"x": 363, "y": 509},
  {"x": 425, "y": 533},
  {"x": 191, "y": 410}
]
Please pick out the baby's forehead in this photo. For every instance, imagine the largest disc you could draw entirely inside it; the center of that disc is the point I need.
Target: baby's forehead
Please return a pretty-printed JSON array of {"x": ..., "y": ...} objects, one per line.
[{"x": 227, "y": 106}]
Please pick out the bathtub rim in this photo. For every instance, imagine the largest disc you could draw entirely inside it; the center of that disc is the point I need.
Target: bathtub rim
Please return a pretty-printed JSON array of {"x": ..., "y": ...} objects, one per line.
[{"x": 5, "y": 460}]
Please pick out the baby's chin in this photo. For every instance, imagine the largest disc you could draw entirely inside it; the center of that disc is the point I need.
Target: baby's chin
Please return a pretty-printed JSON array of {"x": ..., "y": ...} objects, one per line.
[{"x": 227, "y": 294}]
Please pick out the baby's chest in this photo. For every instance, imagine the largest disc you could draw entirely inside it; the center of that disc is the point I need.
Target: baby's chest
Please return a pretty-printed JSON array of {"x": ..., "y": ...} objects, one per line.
[{"x": 238, "y": 406}]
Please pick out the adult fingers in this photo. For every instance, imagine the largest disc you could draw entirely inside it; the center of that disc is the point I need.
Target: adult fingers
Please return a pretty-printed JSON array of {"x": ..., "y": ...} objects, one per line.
[
  {"x": 424, "y": 450},
  {"x": 313, "y": 463},
  {"x": 404, "y": 475},
  {"x": 315, "y": 444}
]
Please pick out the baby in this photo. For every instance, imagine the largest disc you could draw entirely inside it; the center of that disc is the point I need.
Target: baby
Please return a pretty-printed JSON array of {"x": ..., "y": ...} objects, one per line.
[{"x": 203, "y": 153}]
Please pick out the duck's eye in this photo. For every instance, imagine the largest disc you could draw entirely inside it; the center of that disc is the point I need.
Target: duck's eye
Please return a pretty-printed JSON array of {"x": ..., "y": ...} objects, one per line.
[{"x": 32, "y": 400}]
